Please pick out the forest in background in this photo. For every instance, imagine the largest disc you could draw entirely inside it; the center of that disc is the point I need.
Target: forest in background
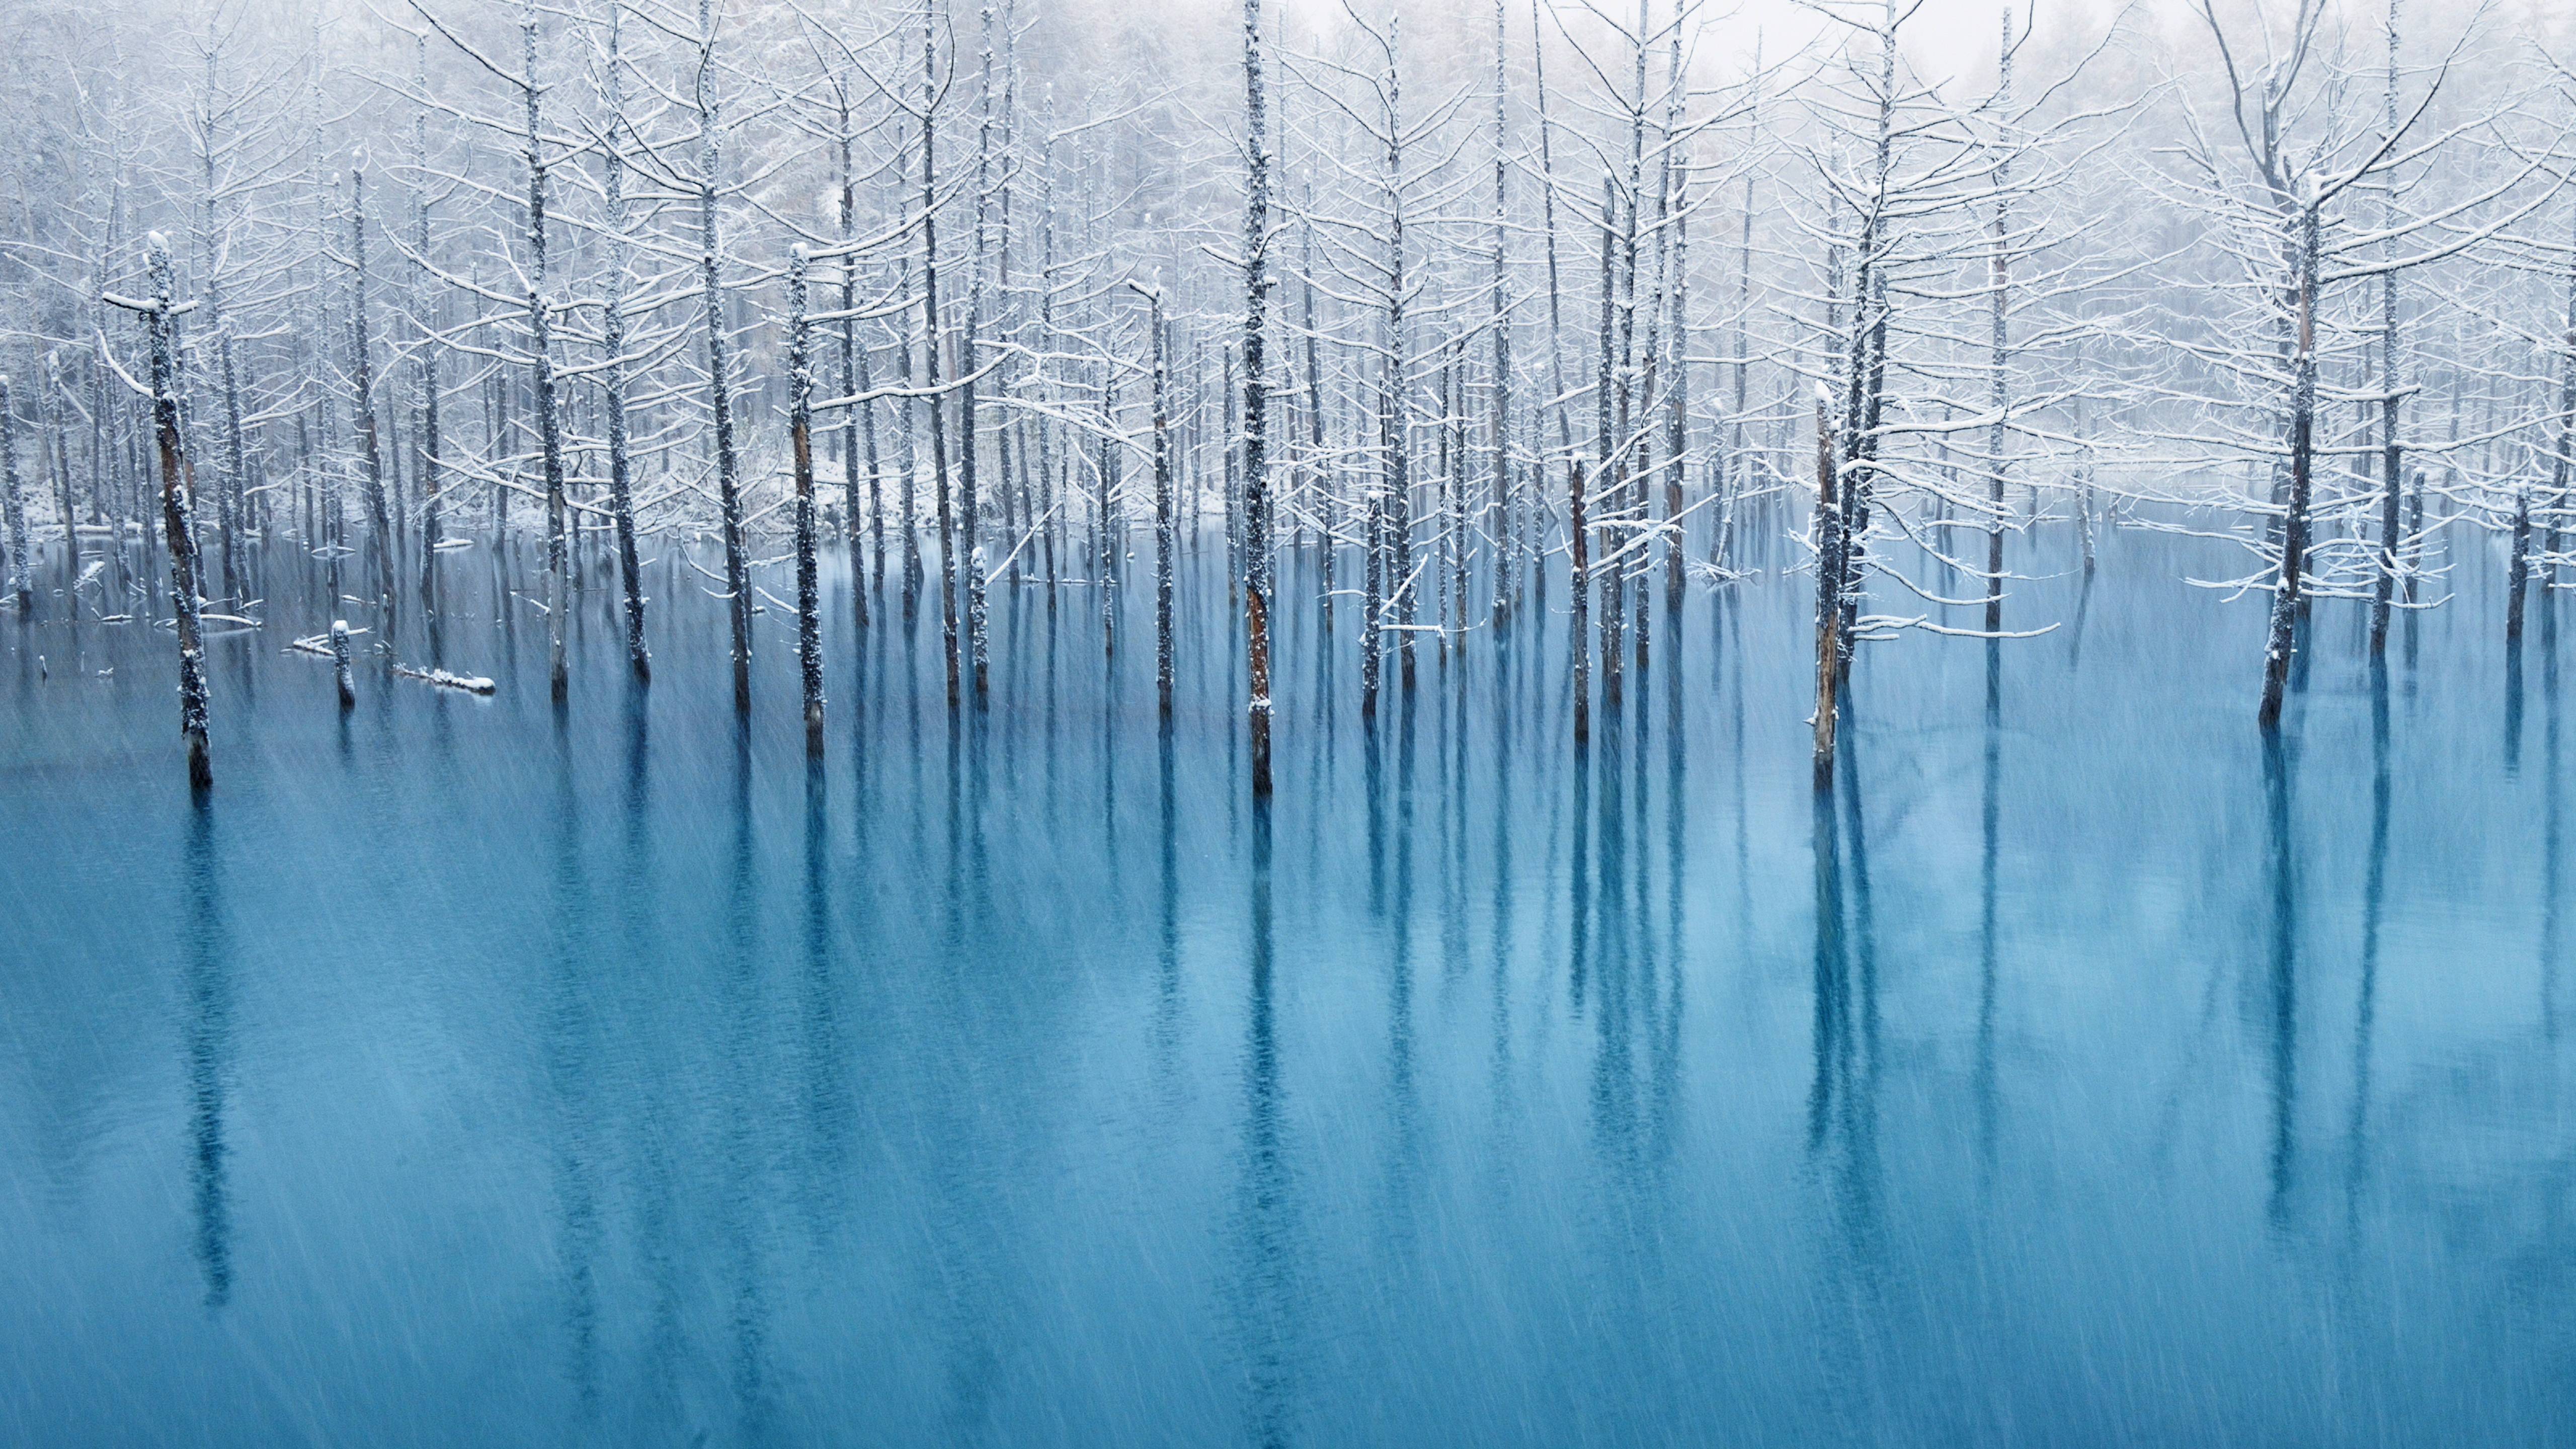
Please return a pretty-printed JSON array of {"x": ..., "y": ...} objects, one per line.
[{"x": 1442, "y": 299}]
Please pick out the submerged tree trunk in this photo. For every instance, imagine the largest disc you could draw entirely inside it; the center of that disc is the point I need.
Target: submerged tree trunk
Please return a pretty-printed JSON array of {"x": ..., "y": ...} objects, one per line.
[{"x": 340, "y": 664}]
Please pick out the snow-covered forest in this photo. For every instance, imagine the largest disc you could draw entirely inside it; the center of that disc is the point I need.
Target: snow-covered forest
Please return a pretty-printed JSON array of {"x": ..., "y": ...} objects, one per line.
[{"x": 1447, "y": 306}]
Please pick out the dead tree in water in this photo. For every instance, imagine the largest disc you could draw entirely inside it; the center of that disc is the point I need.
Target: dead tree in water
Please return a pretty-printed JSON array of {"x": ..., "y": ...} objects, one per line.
[
  {"x": 621, "y": 488},
  {"x": 425, "y": 387},
  {"x": 708, "y": 184},
  {"x": 1582, "y": 579},
  {"x": 2518, "y": 570},
  {"x": 1999, "y": 317},
  {"x": 1162, "y": 503},
  {"x": 16, "y": 507},
  {"x": 969, "y": 494},
  {"x": 931, "y": 90},
  {"x": 2303, "y": 418},
  {"x": 1256, "y": 396},
  {"x": 1506, "y": 560},
  {"x": 362, "y": 383},
  {"x": 800, "y": 414},
  {"x": 340, "y": 664},
  {"x": 2392, "y": 543},
  {"x": 1831, "y": 576},
  {"x": 178, "y": 488}
]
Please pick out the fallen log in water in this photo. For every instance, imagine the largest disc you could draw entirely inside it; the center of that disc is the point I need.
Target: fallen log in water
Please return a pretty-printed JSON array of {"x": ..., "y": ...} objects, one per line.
[
  {"x": 470, "y": 683},
  {"x": 318, "y": 644}
]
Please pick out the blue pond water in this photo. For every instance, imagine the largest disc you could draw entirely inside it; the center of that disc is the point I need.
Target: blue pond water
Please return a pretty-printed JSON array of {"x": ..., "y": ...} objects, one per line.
[{"x": 466, "y": 1071}]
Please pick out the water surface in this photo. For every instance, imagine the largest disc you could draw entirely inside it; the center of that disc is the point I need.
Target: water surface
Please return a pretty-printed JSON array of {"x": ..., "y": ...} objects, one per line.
[{"x": 2080, "y": 1071}]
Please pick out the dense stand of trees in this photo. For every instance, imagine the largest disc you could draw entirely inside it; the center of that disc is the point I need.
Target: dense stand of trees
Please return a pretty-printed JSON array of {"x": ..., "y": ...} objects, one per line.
[{"x": 1302, "y": 284}]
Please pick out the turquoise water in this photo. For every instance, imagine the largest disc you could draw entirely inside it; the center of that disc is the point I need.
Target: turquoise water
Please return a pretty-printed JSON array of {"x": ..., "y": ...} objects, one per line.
[{"x": 2080, "y": 1072}]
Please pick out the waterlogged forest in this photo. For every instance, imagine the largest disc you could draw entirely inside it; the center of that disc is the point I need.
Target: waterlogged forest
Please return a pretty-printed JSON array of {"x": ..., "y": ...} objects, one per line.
[{"x": 746, "y": 721}]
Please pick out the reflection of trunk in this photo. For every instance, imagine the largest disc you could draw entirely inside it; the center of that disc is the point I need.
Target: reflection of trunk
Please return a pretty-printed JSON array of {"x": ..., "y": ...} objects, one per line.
[
  {"x": 1831, "y": 1044},
  {"x": 2553, "y": 833},
  {"x": 2373, "y": 901},
  {"x": 2284, "y": 984},
  {"x": 1990, "y": 817},
  {"x": 1265, "y": 1269},
  {"x": 209, "y": 1046}
]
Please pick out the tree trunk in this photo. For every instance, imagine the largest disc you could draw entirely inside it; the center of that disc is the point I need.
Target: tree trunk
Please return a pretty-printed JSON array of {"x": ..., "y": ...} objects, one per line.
[
  {"x": 800, "y": 386},
  {"x": 2294, "y": 532},
  {"x": 1162, "y": 512},
  {"x": 1829, "y": 582},
  {"x": 178, "y": 487},
  {"x": 719, "y": 382},
  {"x": 1579, "y": 646},
  {"x": 1256, "y": 402}
]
